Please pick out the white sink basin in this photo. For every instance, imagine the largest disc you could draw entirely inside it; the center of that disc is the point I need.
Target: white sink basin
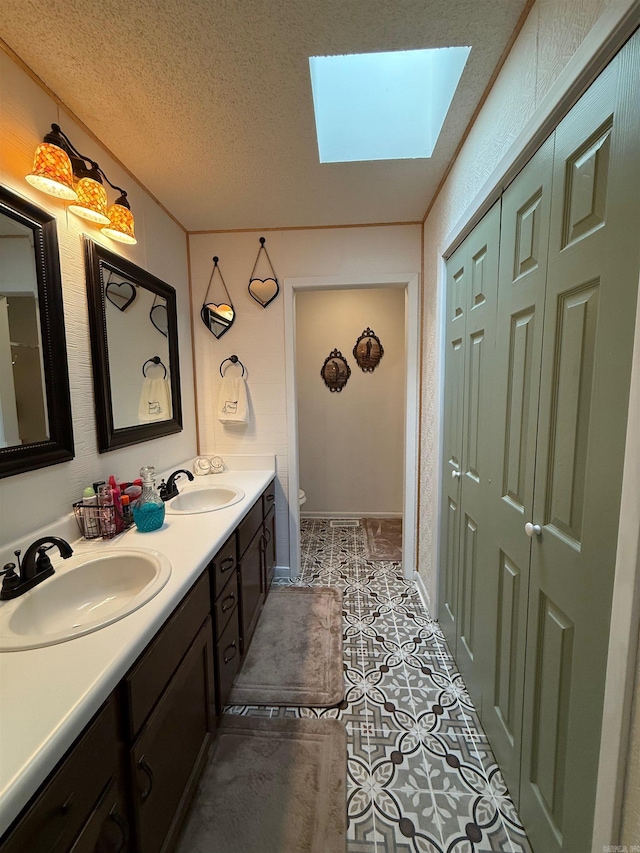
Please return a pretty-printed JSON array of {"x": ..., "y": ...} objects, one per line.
[
  {"x": 204, "y": 499},
  {"x": 87, "y": 592}
]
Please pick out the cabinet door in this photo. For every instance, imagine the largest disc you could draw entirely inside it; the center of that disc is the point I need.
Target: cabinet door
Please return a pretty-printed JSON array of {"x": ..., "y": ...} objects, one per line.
[
  {"x": 59, "y": 813},
  {"x": 227, "y": 660},
  {"x": 168, "y": 755},
  {"x": 590, "y": 311},
  {"x": 107, "y": 830},
  {"x": 524, "y": 238},
  {"x": 251, "y": 589},
  {"x": 456, "y": 306},
  {"x": 481, "y": 286},
  {"x": 270, "y": 549}
]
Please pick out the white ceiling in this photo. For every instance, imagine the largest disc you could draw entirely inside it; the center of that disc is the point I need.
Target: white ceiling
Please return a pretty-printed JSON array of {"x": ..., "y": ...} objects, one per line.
[{"x": 209, "y": 103}]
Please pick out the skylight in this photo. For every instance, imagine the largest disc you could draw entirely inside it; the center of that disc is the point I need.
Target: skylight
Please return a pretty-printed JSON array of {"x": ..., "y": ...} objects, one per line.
[{"x": 383, "y": 106}]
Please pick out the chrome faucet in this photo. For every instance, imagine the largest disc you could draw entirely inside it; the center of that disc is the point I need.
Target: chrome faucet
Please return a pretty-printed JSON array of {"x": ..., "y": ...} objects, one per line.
[
  {"x": 169, "y": 489},
  {"x": 35, "y": 567}
]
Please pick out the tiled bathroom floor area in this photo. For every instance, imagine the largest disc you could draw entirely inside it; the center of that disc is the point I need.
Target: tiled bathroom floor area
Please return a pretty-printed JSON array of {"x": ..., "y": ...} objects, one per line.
[{"x": 421, "y": 774}]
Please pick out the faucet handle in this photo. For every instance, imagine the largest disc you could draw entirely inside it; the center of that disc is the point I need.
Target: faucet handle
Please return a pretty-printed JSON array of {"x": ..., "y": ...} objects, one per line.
[
  {"x": 11, "y": 578},
  {"x": 42, "y": 561}
]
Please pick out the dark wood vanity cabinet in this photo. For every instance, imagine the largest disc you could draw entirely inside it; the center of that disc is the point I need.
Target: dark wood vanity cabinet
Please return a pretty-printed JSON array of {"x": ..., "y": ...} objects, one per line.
[
  {"x": 168, "y": 698},
  {"x": 73, "y": 809},
  {"x": 126, "y": 783},
  {"x": 225, "y": 597},
  {"x": 256, "y": 559}
]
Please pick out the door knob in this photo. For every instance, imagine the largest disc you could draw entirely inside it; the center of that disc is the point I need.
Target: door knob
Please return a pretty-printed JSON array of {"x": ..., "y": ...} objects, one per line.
[
  {"x": 455, "y": 475},
  {"x": 532, "y": 529}
]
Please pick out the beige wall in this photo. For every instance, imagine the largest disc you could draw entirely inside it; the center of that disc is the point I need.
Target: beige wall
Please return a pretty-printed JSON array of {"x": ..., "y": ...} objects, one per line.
[
  {"x": 257, "y": 335},
  {"x": 350, "y": 443},
  {"x": 38, "y": 498}
]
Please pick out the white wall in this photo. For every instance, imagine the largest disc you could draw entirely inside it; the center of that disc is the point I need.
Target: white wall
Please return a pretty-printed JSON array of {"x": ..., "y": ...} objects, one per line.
[
  {"x": 257, "y": 335},
  {"x": 350, "y": 442},
  {"x": 37, "y": 498}
]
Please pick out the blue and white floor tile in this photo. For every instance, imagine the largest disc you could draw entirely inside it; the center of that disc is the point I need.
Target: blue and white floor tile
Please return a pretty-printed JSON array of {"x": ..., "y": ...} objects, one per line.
[{"x": 421, "y": 774}]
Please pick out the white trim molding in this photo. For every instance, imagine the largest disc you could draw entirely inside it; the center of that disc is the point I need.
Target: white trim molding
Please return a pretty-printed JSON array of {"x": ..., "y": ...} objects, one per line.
[{"x": 410, "y": 282}]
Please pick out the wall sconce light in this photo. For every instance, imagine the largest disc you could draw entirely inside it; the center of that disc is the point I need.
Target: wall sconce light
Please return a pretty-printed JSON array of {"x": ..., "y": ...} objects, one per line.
[{"x": 59, "y": 169}]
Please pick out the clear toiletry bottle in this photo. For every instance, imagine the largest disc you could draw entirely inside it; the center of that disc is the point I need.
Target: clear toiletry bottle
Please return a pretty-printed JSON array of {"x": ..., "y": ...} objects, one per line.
[{"x": 148, "y": 510}]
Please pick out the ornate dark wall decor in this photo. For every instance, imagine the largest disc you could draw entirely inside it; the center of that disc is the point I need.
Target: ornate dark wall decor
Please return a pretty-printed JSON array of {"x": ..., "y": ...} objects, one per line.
[
  {"x": 217, "y": 317},
  {"x": 368, "y": 351},
  {"x": 263, "y": 290},
  {"x": 335, "y": 371}
]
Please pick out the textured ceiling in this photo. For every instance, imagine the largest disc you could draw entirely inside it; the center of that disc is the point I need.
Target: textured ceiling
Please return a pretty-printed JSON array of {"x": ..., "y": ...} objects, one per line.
[{"x": 209, "y": 103}]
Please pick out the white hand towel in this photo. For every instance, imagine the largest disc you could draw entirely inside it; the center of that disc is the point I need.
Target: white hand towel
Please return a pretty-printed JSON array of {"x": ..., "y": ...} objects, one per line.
[
  {"x": 155, "y": 400},
  {"x": 233, "y": 406}
]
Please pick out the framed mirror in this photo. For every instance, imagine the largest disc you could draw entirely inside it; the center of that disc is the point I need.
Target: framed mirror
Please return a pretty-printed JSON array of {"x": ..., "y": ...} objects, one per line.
[
  {"x": 136, "y": 371},
  {"x": 36, "y": 426}
]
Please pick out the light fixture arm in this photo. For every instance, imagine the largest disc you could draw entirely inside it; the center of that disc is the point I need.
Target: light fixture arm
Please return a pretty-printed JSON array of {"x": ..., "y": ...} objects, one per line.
[{"x": 79, "y": 161}]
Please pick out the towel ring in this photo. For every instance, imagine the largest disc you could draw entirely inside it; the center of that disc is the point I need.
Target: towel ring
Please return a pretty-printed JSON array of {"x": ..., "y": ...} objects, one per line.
[
  {"x": 155, "y": 360},
  {"x": 234, "y": 360}
]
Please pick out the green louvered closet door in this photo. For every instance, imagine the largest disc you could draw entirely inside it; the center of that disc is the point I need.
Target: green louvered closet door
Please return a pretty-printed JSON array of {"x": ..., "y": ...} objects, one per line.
[{"x": 553, "y": 457}]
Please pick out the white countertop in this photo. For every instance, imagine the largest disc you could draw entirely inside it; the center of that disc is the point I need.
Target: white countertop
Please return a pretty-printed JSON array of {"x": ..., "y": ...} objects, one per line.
[{"x": 48, "y": 695}]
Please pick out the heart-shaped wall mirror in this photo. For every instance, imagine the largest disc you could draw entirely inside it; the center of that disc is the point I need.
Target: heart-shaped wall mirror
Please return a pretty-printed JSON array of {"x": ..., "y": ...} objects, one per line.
[
  {"x": 159, "y": 318},
  {"x": 120, "y": 293},
  {"x": 263, "y": 290},
  {"x": 218, "y": 317}
]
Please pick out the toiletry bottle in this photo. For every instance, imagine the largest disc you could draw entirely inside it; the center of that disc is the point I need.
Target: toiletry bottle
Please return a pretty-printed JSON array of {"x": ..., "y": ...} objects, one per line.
[
  {"x": 127, "y": 517},
  {"x": 90, "y": 516},
  {"x": 107, "y": 515},
  {"x": 148, "y": 510}
]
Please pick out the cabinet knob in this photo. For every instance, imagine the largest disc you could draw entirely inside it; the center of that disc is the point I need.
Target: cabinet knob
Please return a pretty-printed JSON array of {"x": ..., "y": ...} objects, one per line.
[
  {"x": 532, "y": 529},
  {"x": 455, "y": 475}
]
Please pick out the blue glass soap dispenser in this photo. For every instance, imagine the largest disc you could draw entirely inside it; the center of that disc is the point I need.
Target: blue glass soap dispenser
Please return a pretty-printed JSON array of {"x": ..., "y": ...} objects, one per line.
[{"x": 148, "y": 510}]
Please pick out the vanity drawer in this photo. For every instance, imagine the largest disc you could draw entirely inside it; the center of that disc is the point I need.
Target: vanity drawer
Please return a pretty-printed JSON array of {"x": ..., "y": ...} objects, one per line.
[
  {"x": 145, "y": 682},
  {"x": 59, "y": 813},
  {"x": 225, "y": 604},
  {"x": 227, "y": 660},
  {"x": 269, "y": 498},
  {"x": 249, "y": 527},
  {"x": 222, "y": 566}
]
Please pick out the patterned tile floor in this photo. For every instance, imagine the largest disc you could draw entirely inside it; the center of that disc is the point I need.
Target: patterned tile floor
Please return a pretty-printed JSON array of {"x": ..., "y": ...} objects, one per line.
[{"x": 421, "y": 774}]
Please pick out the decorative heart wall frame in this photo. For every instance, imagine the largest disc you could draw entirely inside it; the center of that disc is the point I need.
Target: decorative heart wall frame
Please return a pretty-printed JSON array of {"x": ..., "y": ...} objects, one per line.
[
  {"x": 120, "y": 293},
  {"x": 263, "y": 290},
  {"x": 159, "y": 318},
  {"x": 218, "y": 317}
]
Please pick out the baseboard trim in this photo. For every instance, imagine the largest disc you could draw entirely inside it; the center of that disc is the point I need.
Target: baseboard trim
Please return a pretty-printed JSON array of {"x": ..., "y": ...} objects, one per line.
[
  {"x": 331, "y": 515},
  {"x": 424, "y": 595},
  {"x": 282, "y": 573}
]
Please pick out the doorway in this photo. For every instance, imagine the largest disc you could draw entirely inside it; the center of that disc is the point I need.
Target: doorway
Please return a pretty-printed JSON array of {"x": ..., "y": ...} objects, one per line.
[{"x": 409, "y": 284}]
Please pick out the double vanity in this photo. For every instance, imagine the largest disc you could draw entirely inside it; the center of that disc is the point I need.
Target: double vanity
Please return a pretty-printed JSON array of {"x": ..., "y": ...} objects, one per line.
[{"x": 103, "y": 736}]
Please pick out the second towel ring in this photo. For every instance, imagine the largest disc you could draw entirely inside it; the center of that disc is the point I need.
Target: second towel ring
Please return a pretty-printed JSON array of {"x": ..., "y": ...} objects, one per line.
[
  {"x": 155, "y": 360},
  {"x": 234, "y": 360}
]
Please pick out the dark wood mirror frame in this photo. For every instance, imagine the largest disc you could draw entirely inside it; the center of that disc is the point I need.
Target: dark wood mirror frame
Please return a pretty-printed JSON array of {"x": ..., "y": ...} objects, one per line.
[
  {"x": 109, "y": 438},
  {"x": 59, "y": 446}
]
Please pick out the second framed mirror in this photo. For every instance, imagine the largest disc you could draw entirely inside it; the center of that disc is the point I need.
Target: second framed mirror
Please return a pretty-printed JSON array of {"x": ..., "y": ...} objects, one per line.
[{"x": 136, "y": 372}]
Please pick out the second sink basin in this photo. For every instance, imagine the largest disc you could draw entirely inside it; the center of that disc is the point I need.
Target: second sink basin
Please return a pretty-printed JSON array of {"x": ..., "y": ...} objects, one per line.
[
  {"x": 88, "y": 591},
  {"x": 204, "y": 499}
]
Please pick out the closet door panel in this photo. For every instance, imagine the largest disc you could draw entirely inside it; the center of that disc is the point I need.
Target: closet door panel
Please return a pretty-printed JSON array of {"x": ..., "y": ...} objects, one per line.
[
  {"x": 474, "y": 549},
  {"x": 456, "y": 310},
  {"x": 526, "y": 207},
  {"x": 590, "y": 312}
]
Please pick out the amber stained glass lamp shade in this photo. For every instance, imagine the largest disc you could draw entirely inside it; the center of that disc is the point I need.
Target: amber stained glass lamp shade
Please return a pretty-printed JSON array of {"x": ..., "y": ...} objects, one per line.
[
  {"x": 92, "y": 201},
  {"x": 120, "y": 226},
  {"x": 52, "y": 172}
]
